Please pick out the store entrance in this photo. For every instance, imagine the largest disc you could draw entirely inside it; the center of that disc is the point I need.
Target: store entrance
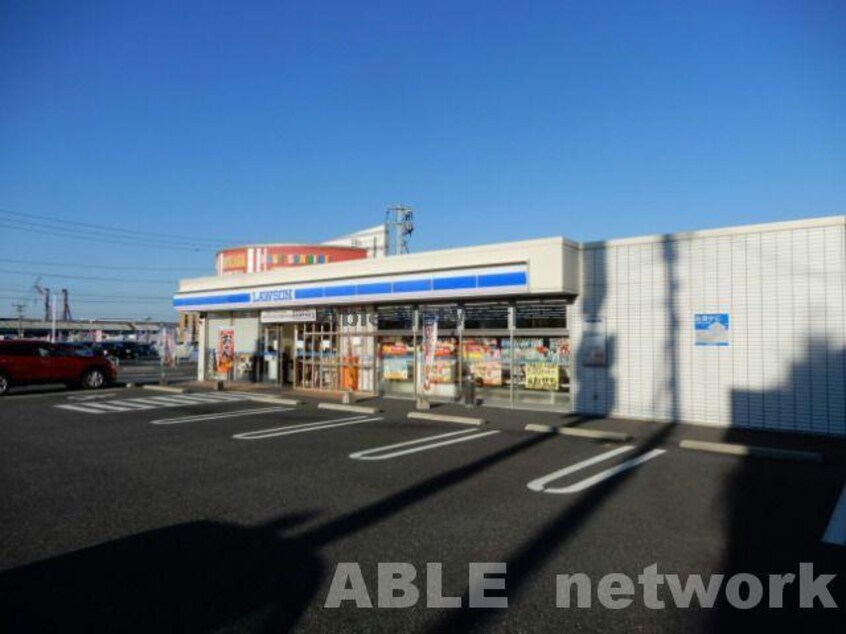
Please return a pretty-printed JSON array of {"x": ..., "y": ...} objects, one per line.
[
  {"x": 316, "y": 364},
  {"x": 276, "y": 359},
  {"x": 335, "y": 352}
]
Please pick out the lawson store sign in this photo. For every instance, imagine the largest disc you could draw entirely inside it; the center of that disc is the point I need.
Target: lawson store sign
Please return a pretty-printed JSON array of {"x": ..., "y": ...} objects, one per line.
[{"x": 443, "y": 284}]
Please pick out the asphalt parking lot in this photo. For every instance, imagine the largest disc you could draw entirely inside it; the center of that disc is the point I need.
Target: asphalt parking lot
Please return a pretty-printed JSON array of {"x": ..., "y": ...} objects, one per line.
[{"x": 136, "y": 510}]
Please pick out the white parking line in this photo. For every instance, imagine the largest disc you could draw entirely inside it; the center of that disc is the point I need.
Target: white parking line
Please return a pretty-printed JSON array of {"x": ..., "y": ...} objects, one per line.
[
  {"x": 150, "y": 402},
  {"x": 61, "y": 391},
  {"x": 127, "y": 404},
  {"x": 236, "y": 413},
  {"x": 836, "y": 531},
  {"x": 465, "y": 435},
  {"x": 82, "y": 408},
  {"x": 98, "y": 395},
  {"x": 540, "y": 483},
  {"x": 261, "y": 434},
  {"x": 97, "y": 407}
]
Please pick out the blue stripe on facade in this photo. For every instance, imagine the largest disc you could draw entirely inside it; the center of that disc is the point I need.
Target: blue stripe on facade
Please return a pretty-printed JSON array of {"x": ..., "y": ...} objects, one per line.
[
  {"x": 308, "y": 293},
  {"x": 518, "y": 278},
  {"x": 339, "y": 291},
  {"x": 413, "y": 286},
  {"x": 237, "y": 298},
  {"x": 490, "y": 280},
  {"x": 453, "y": 283},
  {"x": 376, "y": 288}
]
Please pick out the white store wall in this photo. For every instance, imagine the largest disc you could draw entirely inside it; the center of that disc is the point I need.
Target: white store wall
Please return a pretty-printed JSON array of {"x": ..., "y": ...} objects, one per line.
[{"x": 784, "y": 287}]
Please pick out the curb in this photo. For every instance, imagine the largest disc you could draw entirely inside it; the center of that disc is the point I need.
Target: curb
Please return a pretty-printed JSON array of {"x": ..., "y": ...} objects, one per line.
[
  {"x": 358, "y": 409},
  {"x": 750, "y": 450},
  {"x": 463, "y": 420},
  {"x": 594, "y": 434},
  {"x": 163, "y": 388}
]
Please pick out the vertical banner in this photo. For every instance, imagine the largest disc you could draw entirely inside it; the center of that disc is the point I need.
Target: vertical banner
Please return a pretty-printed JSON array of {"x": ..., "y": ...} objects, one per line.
[
  {"x": 430, "y": 345},
  {"x": 226, "y": 350}
]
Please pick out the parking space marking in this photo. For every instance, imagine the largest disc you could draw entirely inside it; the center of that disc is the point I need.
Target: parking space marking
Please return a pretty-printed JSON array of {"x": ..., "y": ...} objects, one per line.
[
  {"x": 426, "y": 444},
  {"x": 540, "y": 484},
  {"x": 106, "y": 407},
  {"x": 150, "y": 402},
  {"x": 835, "y": 533},
  {"x": 98, "y": 395},
  {"x": 273, "y": 432},
  {"x": 219, "y": 415}
]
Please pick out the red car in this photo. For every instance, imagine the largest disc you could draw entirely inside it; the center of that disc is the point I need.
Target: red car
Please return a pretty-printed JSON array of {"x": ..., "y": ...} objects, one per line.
[{"x": 29, "y": 362}]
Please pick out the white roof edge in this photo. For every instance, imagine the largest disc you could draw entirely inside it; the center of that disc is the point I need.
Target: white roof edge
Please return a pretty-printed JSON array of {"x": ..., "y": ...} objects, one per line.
[
  {"x": 784, "y": 225},
  {"x": 325, "y": 271},
  {"x": 305, "y": 245}
]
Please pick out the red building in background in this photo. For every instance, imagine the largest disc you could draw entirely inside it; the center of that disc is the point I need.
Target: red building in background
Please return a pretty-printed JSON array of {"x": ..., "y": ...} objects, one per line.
[{"x": 267, "y": 257}]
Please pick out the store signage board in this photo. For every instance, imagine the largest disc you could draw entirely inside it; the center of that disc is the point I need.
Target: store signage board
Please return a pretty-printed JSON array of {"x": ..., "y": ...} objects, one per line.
[
  {"x": 288, "y": 315},
  {"x": 454, "y": 283},
  {"x": 711, "y": 329}
]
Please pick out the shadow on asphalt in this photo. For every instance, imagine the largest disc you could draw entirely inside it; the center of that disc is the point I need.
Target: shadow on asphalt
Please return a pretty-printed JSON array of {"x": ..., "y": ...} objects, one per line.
[
  {"x": 190, "y": 577},
  {"x": 202, "y": 575}
]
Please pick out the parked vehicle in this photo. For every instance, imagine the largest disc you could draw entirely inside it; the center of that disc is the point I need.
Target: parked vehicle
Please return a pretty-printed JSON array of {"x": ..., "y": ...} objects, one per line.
[
  {"x": 128, "y": 350},
  {"x": 24, "y": 362}
]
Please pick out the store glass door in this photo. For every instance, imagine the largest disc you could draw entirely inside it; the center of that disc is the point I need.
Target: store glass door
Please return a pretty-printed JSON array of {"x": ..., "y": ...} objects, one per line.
[
  {"x": 271, "y": 355},
  {"x": 317, "y": 359}
]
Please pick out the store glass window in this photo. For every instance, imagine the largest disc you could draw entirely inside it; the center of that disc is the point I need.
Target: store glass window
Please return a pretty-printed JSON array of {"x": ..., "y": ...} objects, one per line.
[
  {"x": 541, "y": 314},
  {"x": 440, "y": 379},
  {"x": 395, "y": 317},
  {"x": 487, "y": 362},
  {"x": 541, "y": 370},
  {"x": 446, "y": 314},
  {"x": 396, "y": 361},
  {"x": 486, "y": 316}
]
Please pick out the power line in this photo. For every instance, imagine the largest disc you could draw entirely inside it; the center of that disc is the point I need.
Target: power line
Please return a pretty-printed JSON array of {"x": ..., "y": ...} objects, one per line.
[
  {"x": 105, "y": 228},
  {"x": 112, "y": 240},
  {"x": 109, "y": 266},
  {"x": 84, "y": 294},
  {"x": 87, "y": 277},
  {"x": 99, "y": 233},
  {"x": 92, "y": 301}
]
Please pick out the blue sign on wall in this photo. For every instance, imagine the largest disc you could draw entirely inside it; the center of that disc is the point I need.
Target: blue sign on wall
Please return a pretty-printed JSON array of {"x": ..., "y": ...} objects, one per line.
[{"x": 711, "y": 329}]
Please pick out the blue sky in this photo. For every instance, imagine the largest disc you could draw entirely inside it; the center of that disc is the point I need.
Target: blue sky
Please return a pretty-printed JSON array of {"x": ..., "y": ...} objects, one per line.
[{"x": 232, "y": 122}]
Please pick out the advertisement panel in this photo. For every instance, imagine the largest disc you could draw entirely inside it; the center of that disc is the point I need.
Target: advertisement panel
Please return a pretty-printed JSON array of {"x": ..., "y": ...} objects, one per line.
[
  {"x": 542, "y": 376},
  {"x": 483, "y": 357},
  {"x": 711, "y": 329}
]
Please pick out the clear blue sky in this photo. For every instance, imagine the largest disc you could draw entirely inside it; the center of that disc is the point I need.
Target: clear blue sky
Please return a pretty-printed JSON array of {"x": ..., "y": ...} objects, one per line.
[{"x": 299, "y": 121}]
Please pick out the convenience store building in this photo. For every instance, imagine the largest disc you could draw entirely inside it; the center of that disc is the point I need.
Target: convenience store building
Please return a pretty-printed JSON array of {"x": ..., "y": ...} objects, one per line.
[{"x": 743, "y": 326}]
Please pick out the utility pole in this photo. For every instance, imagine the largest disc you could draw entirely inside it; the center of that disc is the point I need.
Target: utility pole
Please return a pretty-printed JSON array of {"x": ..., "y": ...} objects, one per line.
[
  {"x": 399, "y": 221},
  {"x": 53, "y": 328},
  {"x": 66, "y": 311},
  {"x": 20, "y": 308}
]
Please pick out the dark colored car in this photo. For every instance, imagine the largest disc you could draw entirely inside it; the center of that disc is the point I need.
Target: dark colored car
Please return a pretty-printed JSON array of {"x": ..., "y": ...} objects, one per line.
[
  {"x": 128, "y": 350},
  {"x": 25, "y": 362}
]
